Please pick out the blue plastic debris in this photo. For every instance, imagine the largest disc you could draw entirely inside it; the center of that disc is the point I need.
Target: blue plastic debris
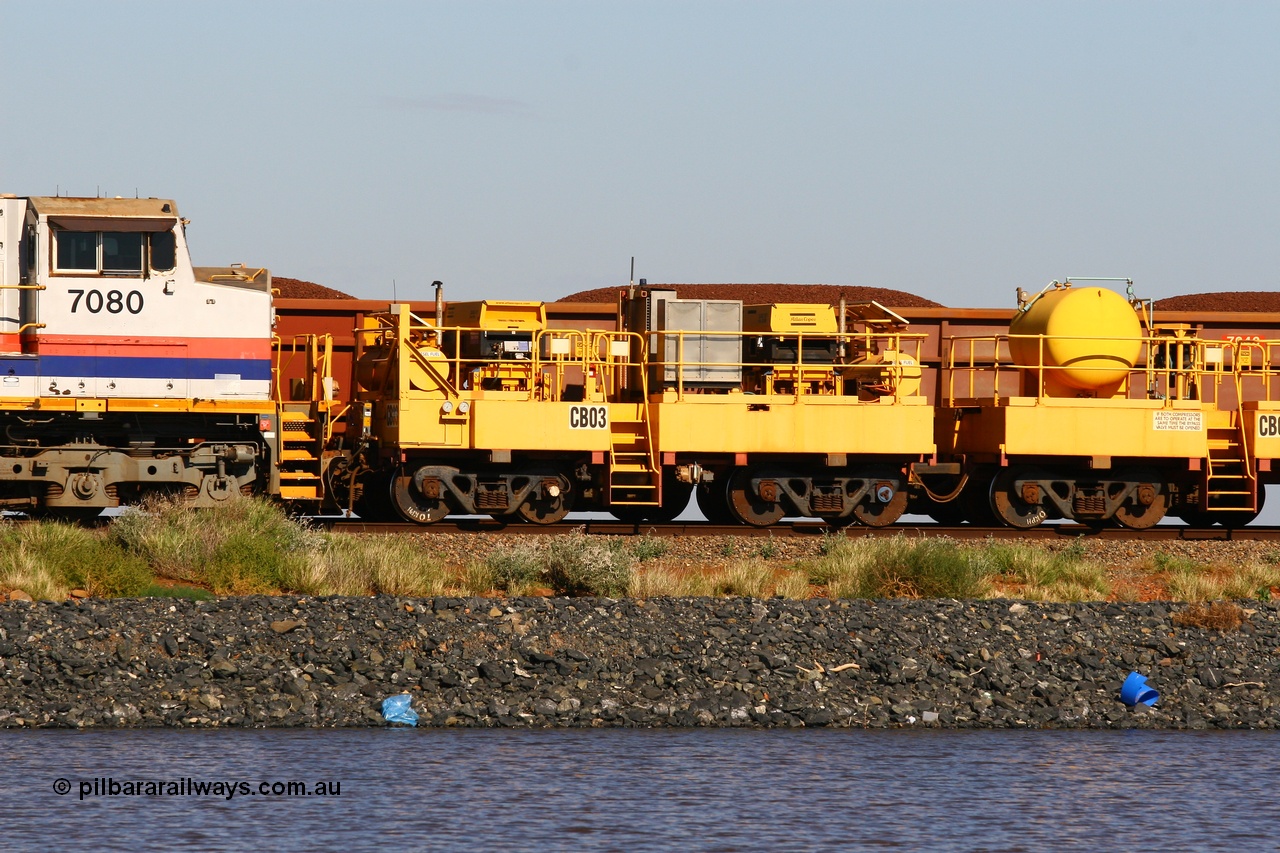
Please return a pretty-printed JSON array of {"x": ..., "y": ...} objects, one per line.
[
  {"x": 398, "y": 709},
  {"x": 1135, "y": 690}
]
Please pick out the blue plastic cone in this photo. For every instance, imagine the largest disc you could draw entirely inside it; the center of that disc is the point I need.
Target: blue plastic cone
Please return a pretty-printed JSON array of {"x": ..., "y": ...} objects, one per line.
[{"x": 1135, "y": 690}]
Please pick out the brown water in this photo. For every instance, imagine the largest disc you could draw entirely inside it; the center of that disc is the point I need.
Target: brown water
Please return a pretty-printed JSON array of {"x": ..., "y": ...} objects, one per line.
[{"x": 643, "y": 790}]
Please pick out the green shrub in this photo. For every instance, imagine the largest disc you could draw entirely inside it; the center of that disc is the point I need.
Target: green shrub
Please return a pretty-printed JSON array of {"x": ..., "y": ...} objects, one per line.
[
  {"x": 899, "y": 567},
  {"x": 49, "y": 558},
  {"x": 645, "y": 548},
  {"x": 238, "y": 546},
  {"x": 514, "y": 569},
  {"x": 585, "y": 565},
  {"x": 1046, "y": 576}
]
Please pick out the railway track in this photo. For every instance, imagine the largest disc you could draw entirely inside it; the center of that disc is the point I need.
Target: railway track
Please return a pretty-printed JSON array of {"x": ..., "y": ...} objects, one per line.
[{"x": 813, "y": 529}]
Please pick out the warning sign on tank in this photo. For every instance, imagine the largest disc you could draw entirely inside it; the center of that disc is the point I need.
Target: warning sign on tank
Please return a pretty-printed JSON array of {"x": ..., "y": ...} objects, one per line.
[{"x": 1167, "y": 421}]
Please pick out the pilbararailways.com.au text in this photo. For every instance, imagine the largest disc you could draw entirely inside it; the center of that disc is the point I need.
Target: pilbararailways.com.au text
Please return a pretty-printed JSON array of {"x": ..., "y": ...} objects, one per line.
[{"x": 107, "y": 786}]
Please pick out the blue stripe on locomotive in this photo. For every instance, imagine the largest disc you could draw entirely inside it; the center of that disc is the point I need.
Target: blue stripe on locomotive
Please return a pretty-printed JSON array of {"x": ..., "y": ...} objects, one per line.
[{"x": 134, "y": 368}]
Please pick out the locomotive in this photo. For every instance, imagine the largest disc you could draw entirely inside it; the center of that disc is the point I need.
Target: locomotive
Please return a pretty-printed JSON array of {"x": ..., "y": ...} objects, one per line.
[{"x": 125, "y": 371}]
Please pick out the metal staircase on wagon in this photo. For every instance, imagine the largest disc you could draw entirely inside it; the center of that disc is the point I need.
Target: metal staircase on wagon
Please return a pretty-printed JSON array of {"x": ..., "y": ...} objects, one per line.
[
  {"x": 635, "y": 478},
  {"x": 1231, "y": 483},
  {"x": 306, "y": 421}
]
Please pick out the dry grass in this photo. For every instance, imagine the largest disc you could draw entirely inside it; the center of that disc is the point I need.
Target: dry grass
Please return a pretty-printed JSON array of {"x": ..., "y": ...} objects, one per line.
[
  {"x": 1218, "y": 616},
  {"x": 1190, "y": 581},
  {"x": 793, "y": 585},
  {"x": 899, "y": 567},
  {"x": 750, "y": 578},
  {"x": 655, "y": 582},
  {"x": 349, "y": 565},
  {"x": 1032, "y": 573},
  {"x": 251, "y": 546},
  {"x": 47, "y": 560}
]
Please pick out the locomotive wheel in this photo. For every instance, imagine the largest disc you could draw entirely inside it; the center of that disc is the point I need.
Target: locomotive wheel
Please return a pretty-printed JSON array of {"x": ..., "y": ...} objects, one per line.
[
  {"x": 874, "y": 512},
  {"x": 544, "y": 508},
  {"x": 632, "y": 514},
  {"x": 411, "y": 505},
  {"x": 713, "y": 500},
  {"x": 68, "y": 514},
  {"x": 975, "y": 501},
  {"x": 1009, "y": 507},
  {"x": 1139, "y": 517},
  {"x": 750, "y": 508}
]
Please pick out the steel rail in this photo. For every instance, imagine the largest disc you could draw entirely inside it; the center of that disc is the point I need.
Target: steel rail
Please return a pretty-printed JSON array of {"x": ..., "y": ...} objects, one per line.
[{"x": 1047, "y": 532}]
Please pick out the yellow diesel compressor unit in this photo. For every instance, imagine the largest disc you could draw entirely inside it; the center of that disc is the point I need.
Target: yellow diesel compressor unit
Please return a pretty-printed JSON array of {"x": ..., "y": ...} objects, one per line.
[
  {"x": 1088, "y": 411},
  {"x": 781, "y": 409},
  {"x": 490, "y": 413}
]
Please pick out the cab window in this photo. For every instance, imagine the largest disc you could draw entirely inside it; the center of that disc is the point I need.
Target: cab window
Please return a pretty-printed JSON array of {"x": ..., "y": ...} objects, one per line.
[
  {"x": 118, "y": 253},
  {"x": 164, "y": 251},
  {"x": 78, "y": 251},
  {"x": 122, "y": 252}
]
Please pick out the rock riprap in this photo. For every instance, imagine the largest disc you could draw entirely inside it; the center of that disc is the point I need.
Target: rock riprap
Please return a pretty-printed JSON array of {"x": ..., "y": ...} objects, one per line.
[{"x": 260, "y": 661}]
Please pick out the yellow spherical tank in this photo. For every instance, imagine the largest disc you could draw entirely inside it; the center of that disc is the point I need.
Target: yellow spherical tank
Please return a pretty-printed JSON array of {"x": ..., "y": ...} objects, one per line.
[{"x": 1091, "y": 337}]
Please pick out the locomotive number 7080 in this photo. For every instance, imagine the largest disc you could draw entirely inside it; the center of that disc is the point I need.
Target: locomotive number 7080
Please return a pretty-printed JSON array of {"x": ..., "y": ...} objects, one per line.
[{"x": 114, "y": 301}]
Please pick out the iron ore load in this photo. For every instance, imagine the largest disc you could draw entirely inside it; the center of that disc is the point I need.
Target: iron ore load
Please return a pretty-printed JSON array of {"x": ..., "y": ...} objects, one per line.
[{"x": 125, "y": 371}]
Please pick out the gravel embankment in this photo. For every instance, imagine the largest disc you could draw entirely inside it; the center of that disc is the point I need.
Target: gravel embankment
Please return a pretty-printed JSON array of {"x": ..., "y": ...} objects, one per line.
[{"x": 595, "y": 662}]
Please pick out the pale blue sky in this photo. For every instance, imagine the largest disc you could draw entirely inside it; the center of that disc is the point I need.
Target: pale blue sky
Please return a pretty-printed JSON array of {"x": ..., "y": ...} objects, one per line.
[{"x": 527, "y": 150}]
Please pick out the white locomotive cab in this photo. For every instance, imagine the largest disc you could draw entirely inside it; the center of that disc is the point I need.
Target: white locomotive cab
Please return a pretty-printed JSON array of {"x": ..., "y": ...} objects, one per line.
[{"x": 123, "y": 313}]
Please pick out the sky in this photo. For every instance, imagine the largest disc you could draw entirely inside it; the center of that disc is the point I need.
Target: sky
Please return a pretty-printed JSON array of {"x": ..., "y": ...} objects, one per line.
[{"x": 529, "y": 150}]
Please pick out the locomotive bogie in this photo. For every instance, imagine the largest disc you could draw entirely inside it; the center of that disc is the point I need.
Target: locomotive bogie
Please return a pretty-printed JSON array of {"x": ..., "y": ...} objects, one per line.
[{"x": 70, "y": 466}]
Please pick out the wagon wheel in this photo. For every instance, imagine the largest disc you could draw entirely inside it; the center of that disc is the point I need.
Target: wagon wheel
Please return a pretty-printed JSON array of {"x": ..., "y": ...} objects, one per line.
[
  {"x": 883, "y": 504},
  {"x": 713, "y": 500},
  {"x": 675, "y": 498},
  {"x": 1140, "y": 516},
  {"x": 374, "y": 503},
  {"x": 748, "y": 507},
  {"x": 412, "y": 505},
  {"x": 549, "y": 501},
  {"x": 839, "y": 522},
  {"x": 1009, "y": 507},
  {"x": 1194, "y": 516},
  {"x": 975, "y": 501},
  {"x": 950, "y": 514},
  {"x": 1236, "y": 518}
]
